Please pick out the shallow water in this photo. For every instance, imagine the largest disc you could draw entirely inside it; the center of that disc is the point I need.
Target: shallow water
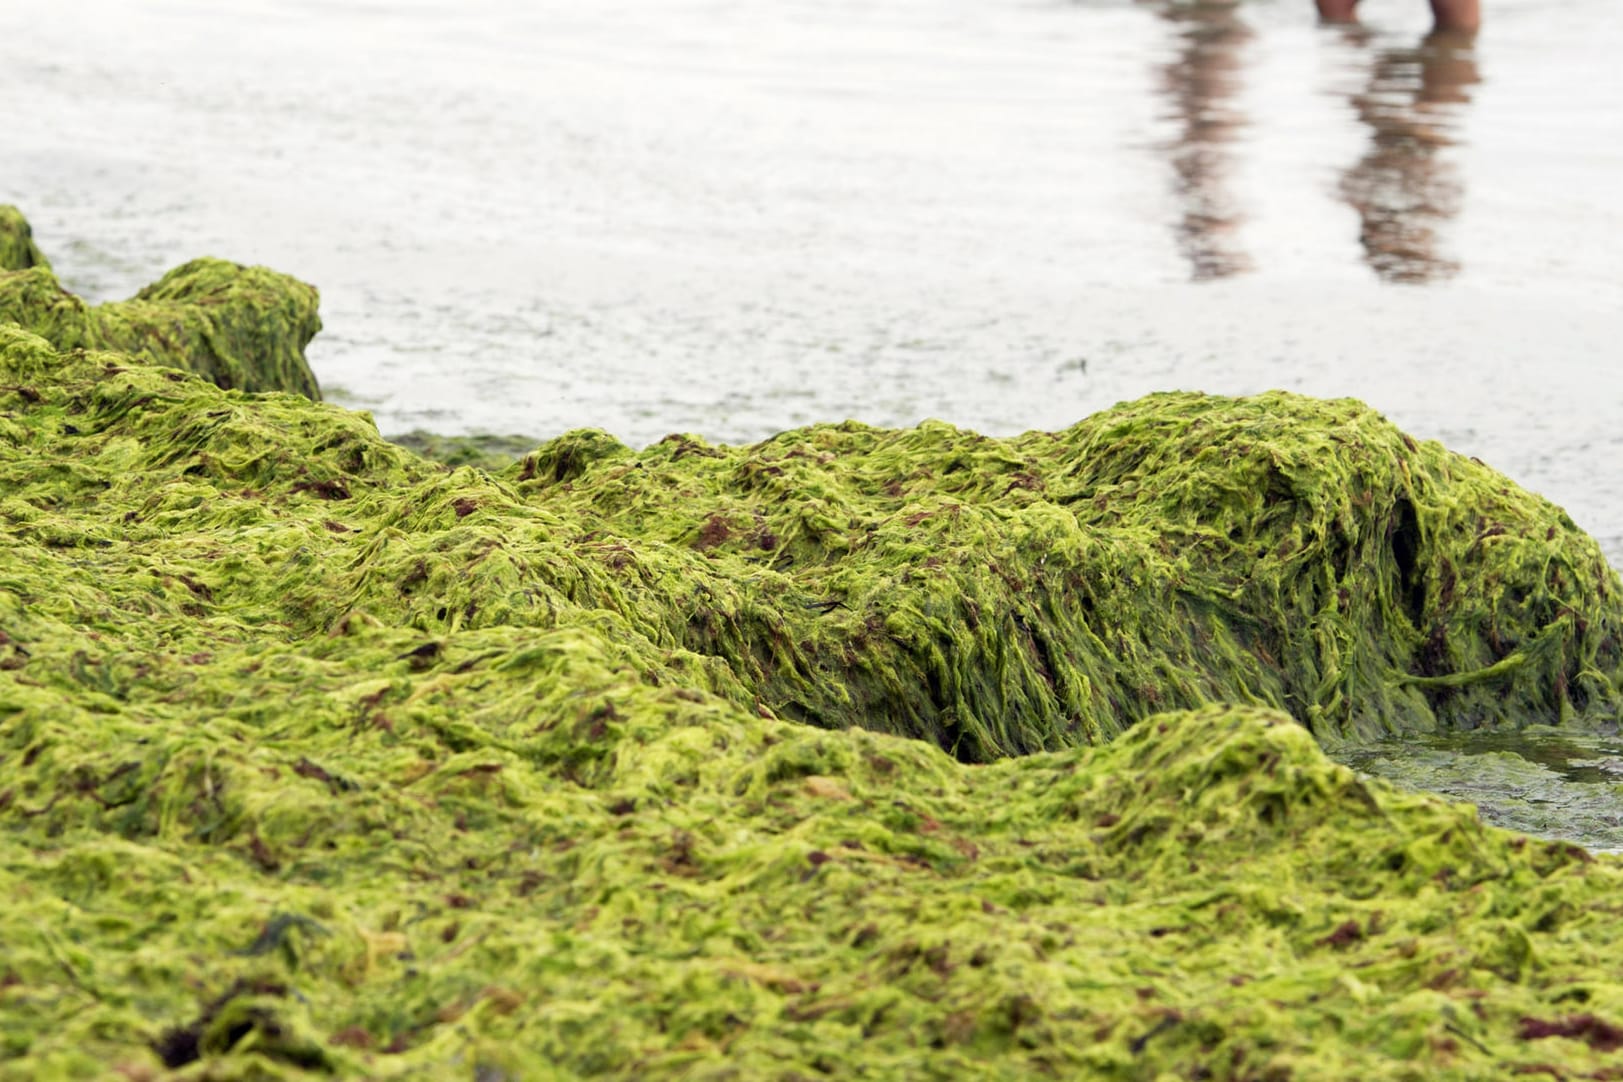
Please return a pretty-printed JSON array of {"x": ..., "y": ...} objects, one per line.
[
  {"x": 735, "y": 216},
  {"x": 1548, "y": 782}
]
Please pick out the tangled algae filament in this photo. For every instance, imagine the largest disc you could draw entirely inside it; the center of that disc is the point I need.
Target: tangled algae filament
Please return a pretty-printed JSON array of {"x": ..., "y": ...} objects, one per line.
[{"x": 853, "y": 753}]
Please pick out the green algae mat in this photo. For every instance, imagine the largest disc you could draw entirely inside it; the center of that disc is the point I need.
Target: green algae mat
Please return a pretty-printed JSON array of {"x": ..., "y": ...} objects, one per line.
[{"x": 850, "y": 754}]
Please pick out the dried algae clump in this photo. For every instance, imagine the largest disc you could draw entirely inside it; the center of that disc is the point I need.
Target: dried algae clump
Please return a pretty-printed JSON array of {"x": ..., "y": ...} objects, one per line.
[
  {"x": 239, "y": 327},
  {"x": 17, "y": 248},
  {"x": 318, "y": 759}
]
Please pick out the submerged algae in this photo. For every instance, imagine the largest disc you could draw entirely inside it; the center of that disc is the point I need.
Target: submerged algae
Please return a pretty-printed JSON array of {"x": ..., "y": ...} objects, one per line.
[
  {"x": 486, "y": 451},
  {"x": 319, "y": 758},
  {"x": 1546, "y": 781},
  {"x": 239, "y": 327}
]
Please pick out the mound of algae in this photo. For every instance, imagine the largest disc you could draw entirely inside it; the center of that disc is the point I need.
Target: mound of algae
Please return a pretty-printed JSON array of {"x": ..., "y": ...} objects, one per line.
[
  {"x": 1006, "y": 596},
  {"x": 239, "y": 327},
  {"x": 319, "y": 759},
  {"x": 17, "y": 248}
]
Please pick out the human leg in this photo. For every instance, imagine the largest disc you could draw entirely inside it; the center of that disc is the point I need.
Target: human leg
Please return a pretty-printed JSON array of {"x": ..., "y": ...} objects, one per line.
[{"x": 1457, "y": 14}]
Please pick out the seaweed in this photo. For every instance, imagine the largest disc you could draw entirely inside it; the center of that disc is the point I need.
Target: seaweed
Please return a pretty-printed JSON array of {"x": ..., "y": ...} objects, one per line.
[
  {"x": 321, "y": 759},
  {"x": 17, "y": 248},
  {"x": 1004, "y": 596},
  {"x": 239, "y": 327}
]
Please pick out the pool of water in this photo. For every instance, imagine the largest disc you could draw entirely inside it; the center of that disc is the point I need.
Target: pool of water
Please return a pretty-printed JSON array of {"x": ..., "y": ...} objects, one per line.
[
  {"x": 1548, "y": 782},
  {"x": 731, "y": 217}
]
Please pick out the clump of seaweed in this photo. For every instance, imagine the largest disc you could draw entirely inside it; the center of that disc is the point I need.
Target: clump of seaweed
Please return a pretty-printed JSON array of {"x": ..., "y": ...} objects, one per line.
[
  {"x": 238, "y": 327},
  {"x": 318, "y": 759},
  {"x": 17, "y": 248},
  {"x": 1005, "y": 596}
]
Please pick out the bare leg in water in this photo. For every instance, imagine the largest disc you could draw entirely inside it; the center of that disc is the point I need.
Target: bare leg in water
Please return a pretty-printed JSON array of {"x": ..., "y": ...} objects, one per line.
[{"x": 1449, "y": 14}]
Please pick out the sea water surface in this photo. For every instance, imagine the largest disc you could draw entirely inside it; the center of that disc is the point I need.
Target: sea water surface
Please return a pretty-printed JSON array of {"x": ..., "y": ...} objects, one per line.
[{"x": 730, "y": 217}]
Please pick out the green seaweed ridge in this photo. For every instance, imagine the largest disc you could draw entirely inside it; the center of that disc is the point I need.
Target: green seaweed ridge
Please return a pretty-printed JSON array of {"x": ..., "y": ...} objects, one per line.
[
  {"x": 1006, "y": 596},
  {"x": 239, "y": 327},
  {"x": 319, "y": 759}
]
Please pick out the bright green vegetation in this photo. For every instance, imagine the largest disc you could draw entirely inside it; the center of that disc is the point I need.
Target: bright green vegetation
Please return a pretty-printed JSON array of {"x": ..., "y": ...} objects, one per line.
[
  {"x": 1006, "y": 596},
  {"x": 17, "y": 248},
  {"x": 853, "y": 753},
  {"x": 242, "y": 327}
]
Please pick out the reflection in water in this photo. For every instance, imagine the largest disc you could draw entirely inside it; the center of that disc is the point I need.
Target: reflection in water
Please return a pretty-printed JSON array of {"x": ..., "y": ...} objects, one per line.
[
  {"x": 1199, "y": 85},
  {"x": 1404, "y": 188}
]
